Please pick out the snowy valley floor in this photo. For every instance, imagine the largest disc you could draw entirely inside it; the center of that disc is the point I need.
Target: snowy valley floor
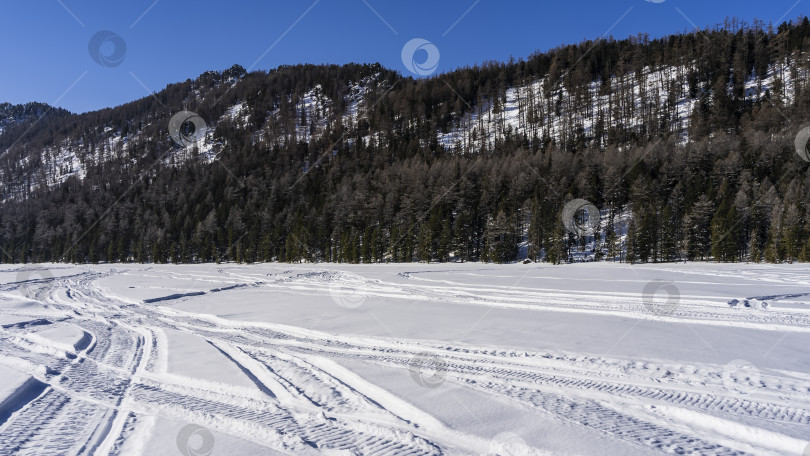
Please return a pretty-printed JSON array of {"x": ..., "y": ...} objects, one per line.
[{"x": 405, "y": 359}]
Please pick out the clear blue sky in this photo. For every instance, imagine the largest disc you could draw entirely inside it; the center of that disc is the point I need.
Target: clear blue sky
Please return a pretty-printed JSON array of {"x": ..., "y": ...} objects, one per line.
[{"x": 45, "y": 53}]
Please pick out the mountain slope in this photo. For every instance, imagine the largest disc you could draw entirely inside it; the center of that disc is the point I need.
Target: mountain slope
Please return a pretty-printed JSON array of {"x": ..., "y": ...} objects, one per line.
[{"x": 692, "y": 134}]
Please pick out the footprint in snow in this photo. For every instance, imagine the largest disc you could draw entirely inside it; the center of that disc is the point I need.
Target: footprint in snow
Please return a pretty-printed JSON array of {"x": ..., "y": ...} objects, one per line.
[{"x": 749, "y": 303}]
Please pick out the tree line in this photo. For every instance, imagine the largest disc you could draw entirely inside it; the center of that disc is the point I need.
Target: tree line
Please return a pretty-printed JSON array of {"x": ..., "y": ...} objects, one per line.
[{"x": 380, "y": 186}]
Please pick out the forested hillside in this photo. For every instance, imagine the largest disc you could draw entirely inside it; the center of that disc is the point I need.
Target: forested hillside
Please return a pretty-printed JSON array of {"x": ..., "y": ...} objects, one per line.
[{"x": 685, "y": 144}]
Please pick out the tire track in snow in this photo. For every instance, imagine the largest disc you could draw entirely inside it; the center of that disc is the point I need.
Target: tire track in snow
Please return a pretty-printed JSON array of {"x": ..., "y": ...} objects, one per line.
[
  {"x": 120, "y": 377},
  {"x": 107, "y": 373}
]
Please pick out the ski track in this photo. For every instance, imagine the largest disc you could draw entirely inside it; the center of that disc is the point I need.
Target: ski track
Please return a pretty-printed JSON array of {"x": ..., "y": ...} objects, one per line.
[{"x": 117, "y": 383}]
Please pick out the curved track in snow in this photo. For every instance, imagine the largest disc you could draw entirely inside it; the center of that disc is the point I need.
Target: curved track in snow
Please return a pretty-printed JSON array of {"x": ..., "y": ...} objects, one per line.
[{"x": 105, "y": 389}]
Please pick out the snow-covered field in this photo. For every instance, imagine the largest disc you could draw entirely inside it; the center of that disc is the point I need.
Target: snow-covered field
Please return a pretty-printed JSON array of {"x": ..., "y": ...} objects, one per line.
[{"x": 405, "y": 359}]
